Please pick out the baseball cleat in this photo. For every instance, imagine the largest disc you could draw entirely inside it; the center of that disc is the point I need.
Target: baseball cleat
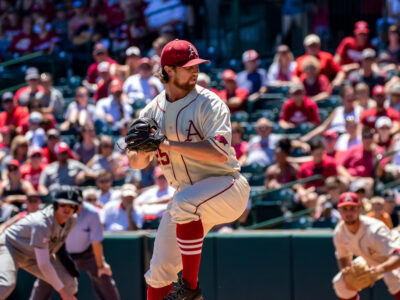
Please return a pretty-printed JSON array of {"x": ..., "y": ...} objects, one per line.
[{"x": 183, "y": 292}]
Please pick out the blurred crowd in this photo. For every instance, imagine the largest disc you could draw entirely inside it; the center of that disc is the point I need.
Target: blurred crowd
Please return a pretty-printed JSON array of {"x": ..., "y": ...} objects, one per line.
[{"x": 333, "y": 115}]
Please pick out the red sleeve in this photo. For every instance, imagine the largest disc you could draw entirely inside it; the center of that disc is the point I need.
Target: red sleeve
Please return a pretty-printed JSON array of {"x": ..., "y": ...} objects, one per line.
[
  {"x": 342, "y": 47},
  {"x": 301, "y": 174},
  {"x": 363, "y": 117},
  {"x": 22, "y": 114},
  {"x": 393, "y": 114},
  {"x": 242, "y": 94},
  {"x": 11, "y": 49},
  {"x": 3, "y": 117},
  {"x": 345, "y": 158},
  {"x": 325, "y": 84},
  {"x": 285, "y": 115},
  {"x": 18, "y": 94},
  {"x": 91, "y": 74},
  {"x": 334, "y": 66},
  {"x": 298, "y": 69}
]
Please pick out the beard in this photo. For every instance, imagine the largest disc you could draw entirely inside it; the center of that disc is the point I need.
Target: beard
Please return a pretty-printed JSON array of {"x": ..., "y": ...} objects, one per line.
[{"x": 186, "y": 86}]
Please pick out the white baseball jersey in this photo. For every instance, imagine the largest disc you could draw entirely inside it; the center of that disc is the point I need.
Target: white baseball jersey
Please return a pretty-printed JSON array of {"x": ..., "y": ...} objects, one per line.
[
  {"x": 374, "y": 241},
  {"x": 200, "y": 115}
]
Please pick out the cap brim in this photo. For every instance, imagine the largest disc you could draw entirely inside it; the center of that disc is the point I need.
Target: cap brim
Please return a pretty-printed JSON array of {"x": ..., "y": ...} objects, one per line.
[
  {"x": 66, "y": 201},
  {"x": 193, "y": 62},
  {"x": 349, "y": 204},
  {"x": 366, "y": 31}
]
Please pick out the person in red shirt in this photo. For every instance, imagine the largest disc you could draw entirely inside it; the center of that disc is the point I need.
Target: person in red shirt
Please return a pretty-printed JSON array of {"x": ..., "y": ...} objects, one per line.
[
  {"x": 298, "y": 109},
  {"x": 46, "y": 39},
  {"x": 32, "y": 169},
  {"x": 100, "y": 54},
  {"x": 238, "y": 143},
  {"x": 232, "y": 95},
  {"x": 359, "y": 160},
  {"x": 369, "y": 116},
  {"x": 316, "y": 85},
  {"x": 383, "y": 137},
  {"x": 349, "y": 51},
  {"x": 103, "y": 85},
  {"x": 328, "y": 66},
  {"x": 13, "y": 114},
  {"x": 23, "y": 43},
  {"x": 49, "y": 156},
  {"x": 28, "y": 92}
]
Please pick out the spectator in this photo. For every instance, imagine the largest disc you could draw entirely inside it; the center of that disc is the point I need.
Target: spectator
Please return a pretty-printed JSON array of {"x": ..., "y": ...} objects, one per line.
[
  {"x": 104, "y": 182},
  {"x": 13, "y": 189},
  {"x": 328, "y": 66},
  {"x": 392, "y": 53},
  {"x": 33, "y": 167},
  {"x": 370, "y": 116},
  {"x": 45, "y": 39},
  {"x": 111, "y": 110},
  {"x": 366, "y": 73},
  {"x": 260, "y": 148},
  {"x": 298, "y": 109},
  {"x": 143, "y": 86},
  {"x": 389, "y": 206},
  {"x": 237, "y": 142},
  {"x": 166, "y": 14},
  {"x": 60, "y": 23},
  {"x": 316, "y": 85},
  {"x": 4, "y": 41},
  {"x": 7, "y": 135},
  {"x": 79, "y": 18},
  {"x": 330, "y": 140},
  {"x": 363, "y": 96},
  {"x": 359, "y": 188},
  {"x": 52, "y": 138},
  {"x": 102, "y": 89},
  {"x": 100, "y": 54},
  {"x": 348, "y": 139},
  {"x": 281, "y": 171},
  {"x": 12, "y": 23},
  {"x": 349, "y": 51},
  {"x": 91, "y": 195},
  {"x": 327, "y": 203},
  {"x": 232, "y": 95},
  {"x": 80, "y": 112},
  {"x": 359, "y": 160},
  {"x": 120, "y": 215},
  {"x": 35, "y": 135},
  {"x": 51, "y": 98},
  {"x": 64, "y": 171},
  {"x": 252, "y": 78},
  {"x": 86, "y": 149},
  {"x": 27, "y": 93},
  {"x": 94, "y": 31},
  {"x": 281, "y": 70},
  {"x": 48, "y": 122},
  {"x": 24, "y": 42},
  {"x": 336, "y": 120},
  {"x": 152, "y": 203},
  {"x": 107, "y": 159},
  {"x": 383, "y": 128},
  {"x": 378, "y": 212},
  {"x": 321, "y": 164},
  {"x": 394, "y": 94},
  {"x": 13, "y": 114},
  {"x": 19, "y": 152},
  {"x": 6, "y": 213},
  {"x": 158, "y": 45},
  {"x": 203, "y": 80},
  {"x": 131, "y": 66}
]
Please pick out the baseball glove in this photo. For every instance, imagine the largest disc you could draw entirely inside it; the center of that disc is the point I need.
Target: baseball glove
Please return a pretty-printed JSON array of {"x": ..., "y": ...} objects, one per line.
[
  {"x": 144, "y": 135},
  {"x": 359, "y": 275}
]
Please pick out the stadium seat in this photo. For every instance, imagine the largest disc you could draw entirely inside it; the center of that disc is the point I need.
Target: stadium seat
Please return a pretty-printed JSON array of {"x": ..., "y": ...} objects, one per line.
[
  {"x": 254, "y": 169},
  {"x": 240, "y": 116},
  {"x": 330, "y": 102},
  {"x": 257, "y": 180},
  {"x": 283, "y": 195},
  {"x": 325, "y": 223},
  {"x": 266, "y": 210},
  {"x": 301, "y": 223},
  {"x": 264, "y": 113}
]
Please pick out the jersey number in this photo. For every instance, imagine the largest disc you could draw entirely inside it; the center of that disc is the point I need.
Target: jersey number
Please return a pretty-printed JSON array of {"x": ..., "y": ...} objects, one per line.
[{"x": 162, "y": 158}]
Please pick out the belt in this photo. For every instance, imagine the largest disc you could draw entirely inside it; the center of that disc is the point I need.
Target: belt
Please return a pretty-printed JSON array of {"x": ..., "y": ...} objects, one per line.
[{"x": 78, "y": 255}]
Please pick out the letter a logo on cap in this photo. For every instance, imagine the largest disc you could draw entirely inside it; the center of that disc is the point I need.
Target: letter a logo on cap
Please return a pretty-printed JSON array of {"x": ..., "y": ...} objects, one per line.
[
  {"x": 348, "y": 198},
  {"x": 192, "y": 52}
]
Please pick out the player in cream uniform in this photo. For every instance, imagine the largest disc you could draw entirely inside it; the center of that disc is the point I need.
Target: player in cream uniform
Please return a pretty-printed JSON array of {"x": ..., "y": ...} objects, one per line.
[
  {"x": 199, "y": 162},
  {"x": 369, "y": 239}
]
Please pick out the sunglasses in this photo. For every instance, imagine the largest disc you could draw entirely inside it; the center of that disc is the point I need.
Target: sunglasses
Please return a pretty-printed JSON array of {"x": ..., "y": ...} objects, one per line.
[
  {"x": 89, "y": 199},
  {"x": 12, "y": 169},
  {"x": 36, "y": 155},
  {"x": 81, "y": 95},
  {"x": 104, "y": 180},
  {"x": 107, "y": 146},
  {"x": 33, "y": 200},
  {"x": 53, "y": 137}
]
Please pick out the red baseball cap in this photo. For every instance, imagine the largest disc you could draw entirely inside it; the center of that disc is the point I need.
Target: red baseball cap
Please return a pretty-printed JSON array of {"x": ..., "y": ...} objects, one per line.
[
  {"x": 228, "y": 75},
  {"x": 61, "y": 147},
  {"x": 180, "y": 53},
  {"x": 14, "y": 162},
  {"x": 361, "y": 27},
  {"x": 145, "y": 61},
  {"x": 349, "y": 198},
  {"x": 330, "y": 134},
  {"x": 250, "y": 55},
  {"x": 158, "y": 172},
  {"x": 116, "y": 86},
  {"x": 378, "y": 90}
]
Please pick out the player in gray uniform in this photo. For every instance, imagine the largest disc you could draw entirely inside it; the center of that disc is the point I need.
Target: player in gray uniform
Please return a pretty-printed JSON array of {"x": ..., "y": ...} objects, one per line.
[{"x": 32, "y": 242}]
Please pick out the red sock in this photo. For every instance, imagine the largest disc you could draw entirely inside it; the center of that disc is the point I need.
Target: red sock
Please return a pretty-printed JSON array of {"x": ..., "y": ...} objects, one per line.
[
  {"x": 397, "y": 296},
  {"x": 158, "y": 293},
  {"x": 356, "y": 297},
  {"x": 190, "y": 240}
]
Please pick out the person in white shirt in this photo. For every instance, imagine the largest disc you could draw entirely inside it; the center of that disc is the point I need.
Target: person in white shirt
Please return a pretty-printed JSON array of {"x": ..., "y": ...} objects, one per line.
[
  {"x": 143, "y": 86},
  {"x": 113, "y": 109},
  {"x": 152, "y": 203},
  {"x": 369, "y": 239},
  {"x": 120, "y": 215},
  {"x": 104, "y": 183},
  {"x": 351, "y": 137}
]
